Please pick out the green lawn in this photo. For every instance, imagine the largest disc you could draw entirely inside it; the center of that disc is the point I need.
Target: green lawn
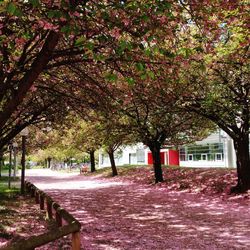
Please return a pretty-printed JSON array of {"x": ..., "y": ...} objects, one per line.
[{"x": 14, "y": 184}]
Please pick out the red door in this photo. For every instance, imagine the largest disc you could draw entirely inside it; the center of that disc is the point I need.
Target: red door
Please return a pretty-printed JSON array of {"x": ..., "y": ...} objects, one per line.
[
  {"x": 173, "y": 157},
  {"x": 150, "y": 158}
]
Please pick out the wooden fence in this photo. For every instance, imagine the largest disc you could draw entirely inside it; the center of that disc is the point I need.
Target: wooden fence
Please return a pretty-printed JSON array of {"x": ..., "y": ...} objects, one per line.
[{"x": 53, "y": 209}]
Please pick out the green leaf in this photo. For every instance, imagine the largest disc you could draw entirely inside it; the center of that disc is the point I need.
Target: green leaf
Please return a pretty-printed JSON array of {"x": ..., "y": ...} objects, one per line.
[
  {"x": 90, "y": 45},
  {"x": 147, "y": 52},
  {"x": 151, "y": 74},
  {"x": 35, "y": 3},
  {"x": 105, "y": 16},
  {"x": 99, "y": 57},
  {"x": 80, "y": 41},
  {"x": 145, "y": 17},
  {"x": 12, "y": 9},
  {"x": 185, "y": 52},
  {"x": 66, "y": 29},
  {"x": 143, "y": 76},
  {"x": 130, "y": 81},
  {"x": 140, "y": 66},
  {"x": 151, "y": 38},
  {"x": 123, "y": 45},
  {"x": 27, "y": 35},
  {"x": 203, "y": 67},
  {"x": 111, "y": 77},
  {"x": 55, "y": 14}
]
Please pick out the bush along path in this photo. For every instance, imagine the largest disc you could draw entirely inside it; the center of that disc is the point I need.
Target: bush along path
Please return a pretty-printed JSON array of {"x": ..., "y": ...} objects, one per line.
[{"x": 118, "y": 213}]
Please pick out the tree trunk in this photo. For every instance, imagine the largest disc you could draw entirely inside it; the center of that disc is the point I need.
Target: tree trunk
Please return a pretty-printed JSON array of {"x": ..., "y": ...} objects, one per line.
[
  {"x": 49, "y": 162},
  {"x": 155, "y": 149},
  {"x": 1, "y": 162},
  {"x": 92, "y": 161},
  {"x": 112, "y": 161},
  {"x": 241, "y": 145},
  {"x": 42, "y": 59}
]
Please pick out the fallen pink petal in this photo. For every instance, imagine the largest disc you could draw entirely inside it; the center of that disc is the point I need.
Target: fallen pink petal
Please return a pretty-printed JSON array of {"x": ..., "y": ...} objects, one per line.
[{"x": 121, "y": 214}]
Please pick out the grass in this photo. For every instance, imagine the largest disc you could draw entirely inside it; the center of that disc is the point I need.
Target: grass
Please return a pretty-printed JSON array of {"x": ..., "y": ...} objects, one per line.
[
  {"x": 122, "y": 170},
  {"x": 4, "y": 171},
  {"x": 8, "y": 200},
  {"x": 14, "y": 183}
]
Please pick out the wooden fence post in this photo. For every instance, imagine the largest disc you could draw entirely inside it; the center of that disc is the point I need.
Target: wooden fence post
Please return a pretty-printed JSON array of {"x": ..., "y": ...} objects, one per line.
[
  {"x": 76, "y": 242},
  {"x": 41, "y": 201},
  {"x": 32, "y": 191},
  {"x": 58, "y": 218},
  {"x": 37, "y": 196},
  {"x": 49, "y": 213}
]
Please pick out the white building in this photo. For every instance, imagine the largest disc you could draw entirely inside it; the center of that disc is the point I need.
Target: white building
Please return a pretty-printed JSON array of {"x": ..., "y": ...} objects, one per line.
[
  {"x": 216, "y": 150},
  {"x": 126, "y": 155}
]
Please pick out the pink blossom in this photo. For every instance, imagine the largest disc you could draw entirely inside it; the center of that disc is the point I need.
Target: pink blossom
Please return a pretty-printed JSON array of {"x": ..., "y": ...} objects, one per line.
[
  {"x": 46, "y": 25},
  {"x": 163, "y": 19},
  {"x": 33, "y": 88},
  {"x": 76, "y": 14},
  {"x": 116, "y": 32},
  {"x": 20, "y": 41},
  {"x": 126, "y": 21}
]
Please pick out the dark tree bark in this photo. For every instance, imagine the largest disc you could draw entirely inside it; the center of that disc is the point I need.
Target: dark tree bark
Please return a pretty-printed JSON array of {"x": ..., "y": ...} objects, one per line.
[
  {"x": 155, "y": 148},
  {"x": 241, "y": 145},
  {"x": 1, "y": 162},
  {"x": 26, "y": 82},
  {"x": 92, "y": 161},
  {"x": 112, "y": 162},
  {"x": 49, "y": 162}
]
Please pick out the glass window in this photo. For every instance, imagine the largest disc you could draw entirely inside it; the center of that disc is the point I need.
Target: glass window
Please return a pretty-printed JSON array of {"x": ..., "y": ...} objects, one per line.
[
  {"x": 140, "y": 155},
  {"x": 190, "y": 157},
  {"x": 207, "y": 152},
  {"x": 203, "y": 157},
  {"x": 182, "y": 153},
  {"x": 218, "y": 157},
  {"x": 102, "y": 158}
]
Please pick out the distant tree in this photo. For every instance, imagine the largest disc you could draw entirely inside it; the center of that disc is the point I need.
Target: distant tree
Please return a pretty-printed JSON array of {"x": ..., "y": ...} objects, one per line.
[
  {"x": 113, "y": 135},
  {"x": 85, "y": 136},
  {"x": 53, "y": 144}
]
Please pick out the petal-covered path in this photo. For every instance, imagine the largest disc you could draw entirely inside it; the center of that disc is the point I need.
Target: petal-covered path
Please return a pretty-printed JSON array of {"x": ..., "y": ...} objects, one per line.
[{"x": 121, "y": 215}]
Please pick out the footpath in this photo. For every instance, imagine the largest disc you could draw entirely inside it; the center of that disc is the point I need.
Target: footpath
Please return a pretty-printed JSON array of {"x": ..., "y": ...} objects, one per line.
[{"x": 119, "y": 215}]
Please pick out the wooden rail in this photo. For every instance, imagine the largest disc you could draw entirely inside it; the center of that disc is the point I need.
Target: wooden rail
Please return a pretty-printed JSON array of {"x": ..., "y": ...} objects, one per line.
[{"x": 61, "y": 215}]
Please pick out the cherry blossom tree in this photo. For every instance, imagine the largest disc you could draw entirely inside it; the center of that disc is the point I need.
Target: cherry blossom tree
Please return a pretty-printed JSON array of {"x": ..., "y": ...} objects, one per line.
[
  {"x": 216, "y": 74},
  {"x": 37, "y": 36}
]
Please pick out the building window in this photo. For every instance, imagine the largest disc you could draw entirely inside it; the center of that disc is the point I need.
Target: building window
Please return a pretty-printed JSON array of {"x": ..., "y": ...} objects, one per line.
[
  {"x": 132, "y": 158},
  {"x": 190, "y": 157},
  {"x": 182, "y": 153},
  {"x": 140, "y": 154},
  {"x": 204, "y": 157},
  {"x": 218, "y": 157},
  {"x": 203, "y": 152}
]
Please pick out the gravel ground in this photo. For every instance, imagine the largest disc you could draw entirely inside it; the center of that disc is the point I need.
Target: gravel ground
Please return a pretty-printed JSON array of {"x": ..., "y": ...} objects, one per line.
[{"x": 116, "y": 214}]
